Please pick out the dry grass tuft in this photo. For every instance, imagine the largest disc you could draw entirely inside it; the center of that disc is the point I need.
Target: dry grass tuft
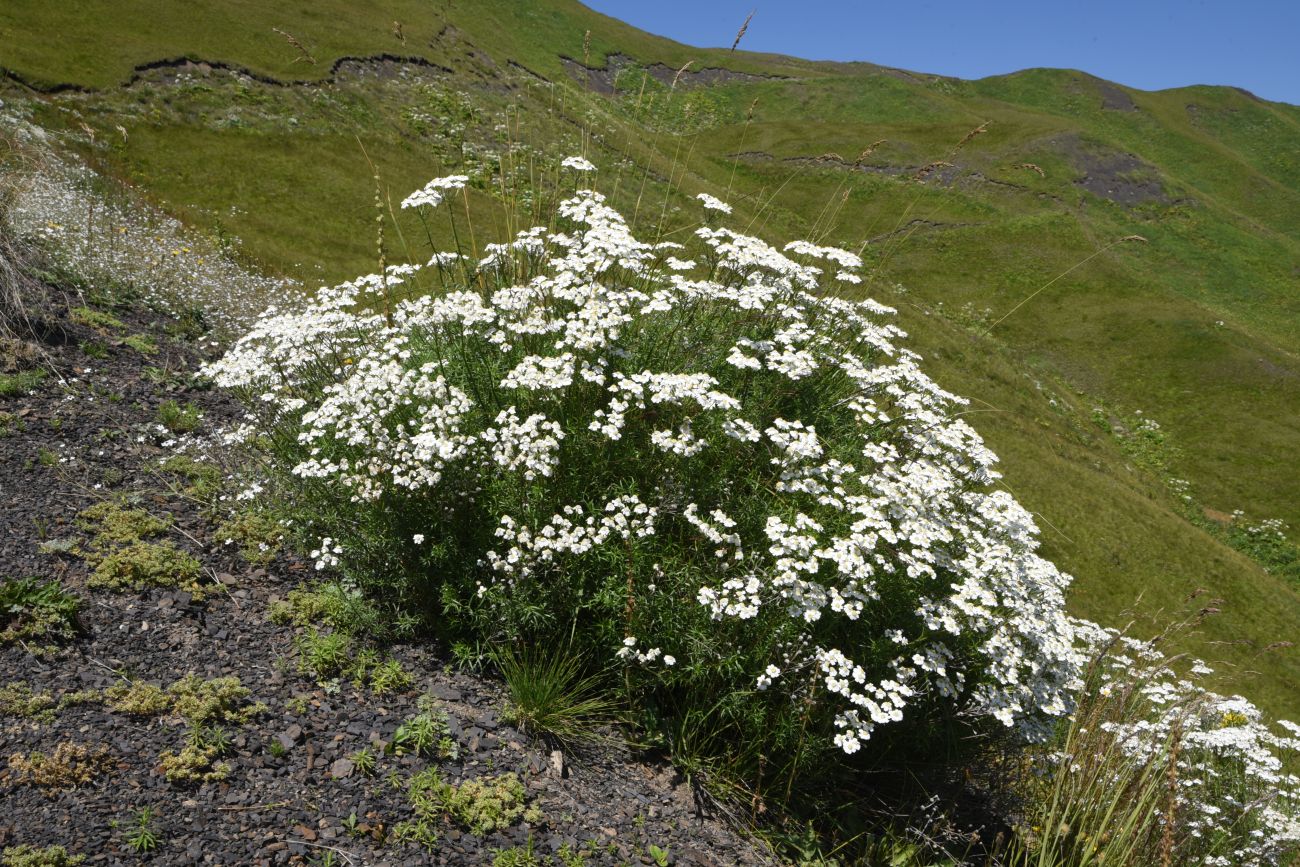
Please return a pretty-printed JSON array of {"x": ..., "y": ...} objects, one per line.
[
  {"x": 303, "y": 53},
  {"x": 740, "y": 34},
  {"x": 680, "y": 73},
  {"x": 869, "y": 150},
  {"x": 69, "y": 766}
]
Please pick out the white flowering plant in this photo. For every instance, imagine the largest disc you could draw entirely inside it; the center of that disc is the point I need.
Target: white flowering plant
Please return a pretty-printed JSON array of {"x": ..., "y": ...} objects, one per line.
[
  {"x": 1155, "y": 768},
  {"x": 706, "y": 463}
]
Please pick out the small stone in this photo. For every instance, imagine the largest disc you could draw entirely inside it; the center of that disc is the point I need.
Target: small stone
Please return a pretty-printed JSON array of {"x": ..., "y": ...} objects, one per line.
[
  {"x": 558, "y": 766},
  {"x": 341, "y": 768},
  {"x": 306, "y": 833}
]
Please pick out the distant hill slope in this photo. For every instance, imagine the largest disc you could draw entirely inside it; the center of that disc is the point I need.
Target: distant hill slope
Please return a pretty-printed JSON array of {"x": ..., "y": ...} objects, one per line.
[{"x": 255, "y": 126}]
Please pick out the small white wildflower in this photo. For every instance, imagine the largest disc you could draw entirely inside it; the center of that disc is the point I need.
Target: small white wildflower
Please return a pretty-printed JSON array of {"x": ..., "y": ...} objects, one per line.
[{"x": 714, "y": 204}]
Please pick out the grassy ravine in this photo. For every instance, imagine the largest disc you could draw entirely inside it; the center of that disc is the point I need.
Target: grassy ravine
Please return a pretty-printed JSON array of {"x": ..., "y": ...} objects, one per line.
[{"x": 1196, "y": 328}]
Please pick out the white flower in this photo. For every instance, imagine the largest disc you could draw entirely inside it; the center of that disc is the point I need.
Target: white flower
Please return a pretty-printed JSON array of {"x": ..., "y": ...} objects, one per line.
[
  {"x": 714, "y": 204},
  {"x": 418, "y": 538},
  {"x": 432, "y": 193},
  {"x": 578, "y": 164}
]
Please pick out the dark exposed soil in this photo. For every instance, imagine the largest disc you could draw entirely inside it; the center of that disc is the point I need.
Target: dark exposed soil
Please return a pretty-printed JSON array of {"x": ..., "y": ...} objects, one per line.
[
  {"x": 1115, "y": 98},
  {"x": 98, "y": 416},
  {"x": 1110, "y": 174}
]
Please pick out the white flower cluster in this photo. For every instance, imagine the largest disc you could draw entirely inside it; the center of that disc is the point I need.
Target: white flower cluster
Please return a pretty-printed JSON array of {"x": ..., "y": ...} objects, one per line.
[
  {"x": 1234, "y": 787},
  {"x": 599, "y": 340},
  {"x": 432, "y": 193},
  {"x": 711, "y": 203},
  {"x": 578, "y": 164}
]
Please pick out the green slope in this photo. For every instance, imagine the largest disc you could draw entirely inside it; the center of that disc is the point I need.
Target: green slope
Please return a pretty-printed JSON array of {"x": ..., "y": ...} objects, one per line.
[{"x": 1197, "y": 328}]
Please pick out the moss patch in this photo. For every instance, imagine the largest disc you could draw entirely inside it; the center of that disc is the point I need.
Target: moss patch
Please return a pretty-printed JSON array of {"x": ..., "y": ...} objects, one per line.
[{"x": 144, "y": 564}]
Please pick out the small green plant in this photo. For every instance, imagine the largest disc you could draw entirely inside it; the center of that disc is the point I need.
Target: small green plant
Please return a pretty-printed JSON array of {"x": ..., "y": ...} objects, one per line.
[
  {"x": 324, "y": 654},
  {"x": 389, "y": 676},
  {"x": 481, "y": 806},
  {"x": 204, "y": 479},
  {"x": 144, "y": 564},
  {"x": 18, "y": 700},
  {"x": 142, "y": 838},
  {"x": 194, "y": 763},
  {"x": 277, "y": 749},
  {"x": 571, "y": 857},
  {"x": 659, "y": 855},
  {"x": 364, "y": 761},
  {"x": 23, "y": 382},
  {"x": 178, "y": 419},
  {"x": 31, "y": 610},
  {"x": 426, "y": 734},
  {"x": 47, "y": 457},
  {"x": 141, "y": 343},
  {"x": 112, "y": 522},
  {"x": 205, "y": 704},
  {"x": 345, "y": 609},
  {"x": 69, "y": 766},
  {"x": 257, "y": 534},
  {"x": 221, "y": 699},
  {"x": 30, "y": 856},
  {"x": 517, "y": 856},
  {"x": 137, "y": 698},
  {"x": 95, "y": 349},
  {"x": 96, "y": 319}
]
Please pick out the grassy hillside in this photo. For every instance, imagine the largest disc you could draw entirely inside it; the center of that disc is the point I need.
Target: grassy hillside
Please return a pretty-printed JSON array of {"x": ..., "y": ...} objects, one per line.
[{"x": 1196, "y": 326}]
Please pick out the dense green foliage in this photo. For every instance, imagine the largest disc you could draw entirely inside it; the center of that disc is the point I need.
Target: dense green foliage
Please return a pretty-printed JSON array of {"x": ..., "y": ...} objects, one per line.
[{"x": 1195, "y": 327}]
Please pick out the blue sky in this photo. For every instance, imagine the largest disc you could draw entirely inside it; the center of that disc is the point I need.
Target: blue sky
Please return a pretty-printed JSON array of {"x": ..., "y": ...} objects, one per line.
[{"x": 1149, "y": 44}]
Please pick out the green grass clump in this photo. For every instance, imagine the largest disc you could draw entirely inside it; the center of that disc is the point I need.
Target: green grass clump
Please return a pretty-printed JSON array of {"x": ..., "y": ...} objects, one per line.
[
  {"x": 35, "y": 611},
  {"x": 552, "y": 694},
  {"x": 324, "y": 654},
  {"x": 141, "y": 343},
  {"x": 47, "y": 856},
  {"x": 204, "y": 479},
  {"x": 177, "y": 418},
  {"x": 96, "y": 319},
  {"x": 141, "y": 837},
  {"x": 519, "y": 856},
  {"x": 389, "y": 676},
  {"x": 258, "y": 535},
  {"x": 144, "y": 564},
  {"x": 23, "y": 382},
  {"x": 343, "y": 608}
]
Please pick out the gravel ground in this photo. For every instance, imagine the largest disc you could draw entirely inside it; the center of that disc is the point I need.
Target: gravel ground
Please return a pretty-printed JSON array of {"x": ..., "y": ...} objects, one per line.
[{"x": 90, "y": 432}]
